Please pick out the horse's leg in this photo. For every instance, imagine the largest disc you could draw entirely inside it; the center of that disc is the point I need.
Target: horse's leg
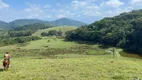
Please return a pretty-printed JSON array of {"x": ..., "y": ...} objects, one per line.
[
  {"x": 4, "y": 67},
  {"x": 8, "y": 64}
]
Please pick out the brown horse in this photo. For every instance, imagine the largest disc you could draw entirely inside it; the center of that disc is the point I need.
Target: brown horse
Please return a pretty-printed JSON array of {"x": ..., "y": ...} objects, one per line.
[{"x": 6, "y": 64}]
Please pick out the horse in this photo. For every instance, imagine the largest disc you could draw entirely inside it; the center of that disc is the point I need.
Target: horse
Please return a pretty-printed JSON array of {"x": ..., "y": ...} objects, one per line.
[{"x": 6, "y": 63}]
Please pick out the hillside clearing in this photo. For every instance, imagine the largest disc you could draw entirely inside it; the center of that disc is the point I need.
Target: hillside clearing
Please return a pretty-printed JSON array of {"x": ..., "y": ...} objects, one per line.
[
  {"x": 58, "y": 28},
  {"x": 45, "y": 42}
]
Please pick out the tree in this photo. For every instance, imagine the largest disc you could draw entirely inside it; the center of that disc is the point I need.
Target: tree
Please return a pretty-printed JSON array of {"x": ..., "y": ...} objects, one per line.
[
  {"x": 52, "y": 33},
  {"x": 124, "y": 30},
  {"x": 59, "y": 33}
]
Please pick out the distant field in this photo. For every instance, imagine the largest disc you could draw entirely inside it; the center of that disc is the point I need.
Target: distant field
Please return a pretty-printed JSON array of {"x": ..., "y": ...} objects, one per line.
[
  {"x": 58, "y": 28},
  {"x": 42, "y": 44},
  {"x": 53, "y": 43}
]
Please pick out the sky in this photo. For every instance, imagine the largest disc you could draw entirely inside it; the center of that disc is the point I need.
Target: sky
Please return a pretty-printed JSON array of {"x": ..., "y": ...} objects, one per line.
[{"x": 82, "y": 10}]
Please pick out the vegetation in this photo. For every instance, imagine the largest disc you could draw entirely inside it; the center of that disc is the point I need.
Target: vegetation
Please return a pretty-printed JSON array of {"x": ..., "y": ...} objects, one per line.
[
  {"x": 33, "y": 27},
  {"x": 52, "y": 33},
  {"x": 20, "y": 34},
  {"x": 8, "y": 40},
  {"x": 23, "y": 22},
  {"x": 67, "y": 22},
  {"x": 3, "y": 25},
  {"x": 120, "y": 31},
  {"x": 62, "y": 29},
  {"x": 27, "y": 30},
  {"x": 72, "y": 67}
]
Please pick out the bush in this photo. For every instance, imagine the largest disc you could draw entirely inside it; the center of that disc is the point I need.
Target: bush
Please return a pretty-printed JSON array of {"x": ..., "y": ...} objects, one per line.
[{"x": 52, "y": 33}]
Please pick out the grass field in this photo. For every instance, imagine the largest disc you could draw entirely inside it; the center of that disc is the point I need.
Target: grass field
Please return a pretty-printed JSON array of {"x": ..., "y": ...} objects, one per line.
[
  {"x": 73, "y": 67},
  {"x": 45, "y": 42},
  {"x": 1, "y": 55},
  {"x": 58, "y": 28},
  {"x": 60, "y": 60}
]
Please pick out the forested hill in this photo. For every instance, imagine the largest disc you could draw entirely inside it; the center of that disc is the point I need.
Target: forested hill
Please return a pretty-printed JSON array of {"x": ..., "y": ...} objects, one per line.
[
  {"x": 22, "y": 22},
  {"x": 3, "y": 25},
  {"x": 124, "y": 30},
  {"x": 32, "y": 27},
  {"x": 67, "y": 22}
]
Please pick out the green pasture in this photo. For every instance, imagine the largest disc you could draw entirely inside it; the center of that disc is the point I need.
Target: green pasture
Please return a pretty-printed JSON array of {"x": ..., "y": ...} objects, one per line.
[
  {"x": 55, "y": 59},
  {"x": 73, "y": 67},
  {"x": 58, "y": 28}
]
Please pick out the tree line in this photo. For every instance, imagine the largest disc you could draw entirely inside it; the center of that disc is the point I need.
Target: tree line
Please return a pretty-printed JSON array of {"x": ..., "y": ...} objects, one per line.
[
  {"x": 52, "y": 33},
  {"x": 8, "y": 40},
  {"x": 123, "y": 31},
  {"x": 21, "y": 34}
]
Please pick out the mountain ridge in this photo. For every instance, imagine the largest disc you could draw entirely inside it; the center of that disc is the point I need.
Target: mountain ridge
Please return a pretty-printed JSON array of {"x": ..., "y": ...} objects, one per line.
[
  {"x": 3, "y": 25},
  {"x": 58, "y": 22},
  {"x": 67, "y": 22}
]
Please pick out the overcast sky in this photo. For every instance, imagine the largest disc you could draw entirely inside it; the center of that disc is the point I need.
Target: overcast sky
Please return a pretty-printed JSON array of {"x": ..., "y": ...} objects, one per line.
[{"x": 83, "y": 10}]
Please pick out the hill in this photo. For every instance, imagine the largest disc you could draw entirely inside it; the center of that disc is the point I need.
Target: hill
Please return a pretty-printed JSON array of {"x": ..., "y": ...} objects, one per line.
[
  {"x": 67, "y": 22},
  {"x": 3, "y": 25},
  {"x": 32, "y": 27},
  {"x": 122, "y": 31},
  {"x": 22, "y": 22},
  {"x": 59, "y": 28}
]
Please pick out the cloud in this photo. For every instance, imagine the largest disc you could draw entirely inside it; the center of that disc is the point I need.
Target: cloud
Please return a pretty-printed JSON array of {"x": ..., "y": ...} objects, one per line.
[
  {"x": 136, "y": 2},
  {"x": 75, "y": 9},
  {"x": 111, "y": 13},
  {"x": 34, "y": 11},
  {"x": 78, "y": 4},
  {"x": 112, "y": 3},
  {"x": 84, "y": 4},
  {"x": 47, "y": 6},
  {"x": 3, "y": 5},
  {"x": 37, "y": 11},
  {"x": 60, "y": 16},
  {"x": 85, "y": 7}
]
